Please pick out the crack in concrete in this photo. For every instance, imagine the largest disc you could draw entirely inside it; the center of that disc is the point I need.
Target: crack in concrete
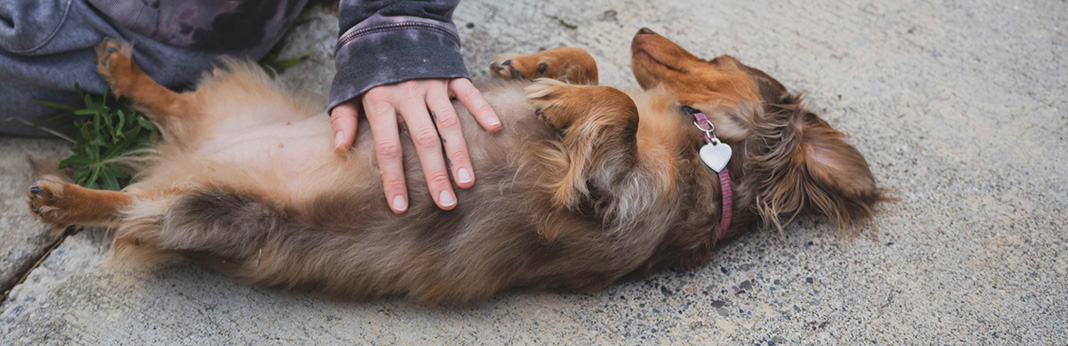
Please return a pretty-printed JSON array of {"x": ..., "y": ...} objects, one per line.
[{"x": 25, "y": 271}]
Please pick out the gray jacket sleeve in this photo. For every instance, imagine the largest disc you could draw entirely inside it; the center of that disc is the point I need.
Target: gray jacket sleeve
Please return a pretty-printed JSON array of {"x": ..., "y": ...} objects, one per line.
[{"x": 384, "y": 42}]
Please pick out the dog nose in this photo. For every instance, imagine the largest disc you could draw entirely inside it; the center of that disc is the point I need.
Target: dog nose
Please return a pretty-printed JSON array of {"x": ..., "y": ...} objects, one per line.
[{"x": 646, "y": 31}]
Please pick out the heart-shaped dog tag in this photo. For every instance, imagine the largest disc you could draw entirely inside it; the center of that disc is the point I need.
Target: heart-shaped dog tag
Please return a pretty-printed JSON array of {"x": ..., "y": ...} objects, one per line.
[{"x": 716, "y": 155}]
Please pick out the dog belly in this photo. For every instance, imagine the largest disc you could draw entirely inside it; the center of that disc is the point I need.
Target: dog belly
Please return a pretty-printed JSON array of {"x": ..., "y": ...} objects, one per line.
[{"x": 284, "y": 150}]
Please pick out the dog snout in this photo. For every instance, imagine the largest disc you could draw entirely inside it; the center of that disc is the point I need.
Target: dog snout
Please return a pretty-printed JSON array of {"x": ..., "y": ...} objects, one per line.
[{"x": 646, "y": 31}]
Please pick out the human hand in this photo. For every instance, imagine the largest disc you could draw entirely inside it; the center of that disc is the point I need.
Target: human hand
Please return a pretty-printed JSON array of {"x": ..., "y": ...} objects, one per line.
[{"x": 420, "y": 104}]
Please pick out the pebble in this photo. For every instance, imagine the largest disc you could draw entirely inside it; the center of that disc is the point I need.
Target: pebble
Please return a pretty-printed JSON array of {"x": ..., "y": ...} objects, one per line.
[{"x": 609, "y": 15}]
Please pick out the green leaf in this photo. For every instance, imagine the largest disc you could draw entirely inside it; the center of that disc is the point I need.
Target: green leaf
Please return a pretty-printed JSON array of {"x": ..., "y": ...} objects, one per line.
[
  {"x": 96, "y": 125},
  {"x": 131, "y": 134},
  {"x": 94, "y": 173},
  {"x": 54, "y": 105},
  {"x": 115, "y": 172},
  {"x": 286, "y": 63},
  {"x": 88, "y": 101},
  {"x": 110, "y": 181},
  {"x": 98, "y": 141},
  {"x": 146, "y": 124},
  {"x": 81, "y": 174},
  {"x": 84, "y": 135},
  {"x": 119, "y": 126},
  {"x": 74, "y": 160},
  {"x": 107, "y": 129},
  {"x": 275, "y": 66}
]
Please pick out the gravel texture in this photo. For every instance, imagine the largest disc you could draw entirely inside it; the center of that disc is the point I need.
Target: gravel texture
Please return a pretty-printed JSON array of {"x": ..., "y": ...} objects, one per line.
[{"x": 22, "y": 240}]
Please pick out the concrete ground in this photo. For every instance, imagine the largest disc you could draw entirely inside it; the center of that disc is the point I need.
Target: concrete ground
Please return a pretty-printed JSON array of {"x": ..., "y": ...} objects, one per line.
[{"x": 959, "y": 106}]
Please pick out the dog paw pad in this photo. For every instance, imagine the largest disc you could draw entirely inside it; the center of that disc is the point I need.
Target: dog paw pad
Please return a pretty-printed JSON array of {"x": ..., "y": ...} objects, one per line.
[{"x": 45, "y": 198}]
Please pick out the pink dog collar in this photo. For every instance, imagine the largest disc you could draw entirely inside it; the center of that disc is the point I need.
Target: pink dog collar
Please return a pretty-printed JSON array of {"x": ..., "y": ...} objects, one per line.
[{"x": 716, "y": 154}]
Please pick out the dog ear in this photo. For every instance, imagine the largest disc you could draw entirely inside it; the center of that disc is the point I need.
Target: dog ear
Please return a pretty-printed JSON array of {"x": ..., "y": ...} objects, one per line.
[
  {"x": 811, "y": 167},
  {"x": 844, "y": 185}
]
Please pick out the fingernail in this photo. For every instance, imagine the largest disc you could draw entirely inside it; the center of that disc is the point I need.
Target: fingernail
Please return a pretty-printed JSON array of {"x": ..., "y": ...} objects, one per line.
[
  {"x": 399, "y": 203},
  {"x": 494, "y": 121},
  {"x": 446, "y": 199},
  {"x": 463, "y": 175},
  {"x": 337, "y": 140}
]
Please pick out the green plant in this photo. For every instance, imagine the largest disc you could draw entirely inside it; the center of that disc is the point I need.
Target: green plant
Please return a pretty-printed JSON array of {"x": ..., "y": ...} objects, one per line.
[
  {"x": 275, "y": 66},
  {"x": 110, "y": 136},
  {"x": 272, "y": 63}
]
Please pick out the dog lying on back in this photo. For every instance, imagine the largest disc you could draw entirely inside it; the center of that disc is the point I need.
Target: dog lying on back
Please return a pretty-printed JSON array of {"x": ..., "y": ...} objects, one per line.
[{"x": 583, "y": 185}]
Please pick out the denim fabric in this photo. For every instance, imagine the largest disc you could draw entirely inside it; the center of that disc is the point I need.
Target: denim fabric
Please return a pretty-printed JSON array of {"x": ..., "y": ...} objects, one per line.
[
  {"x": 207, "y": 25},
  {"x": 48, "y": 45}
]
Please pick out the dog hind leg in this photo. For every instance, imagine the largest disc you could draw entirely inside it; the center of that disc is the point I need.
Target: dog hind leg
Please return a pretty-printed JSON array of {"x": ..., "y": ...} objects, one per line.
[
  {"x": 63, "y": 204},
  {"x": 116, "y": 65},
  {"x": 244, "y": 235}
]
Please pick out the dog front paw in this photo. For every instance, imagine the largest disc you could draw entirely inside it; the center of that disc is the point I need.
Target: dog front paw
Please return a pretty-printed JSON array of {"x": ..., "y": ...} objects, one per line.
[
  {"x": 553, "y": 102},
  {"x": 561, "y": 105},
  {"x": 567, "y": 64},
  {"x": 515, "y": 66}
]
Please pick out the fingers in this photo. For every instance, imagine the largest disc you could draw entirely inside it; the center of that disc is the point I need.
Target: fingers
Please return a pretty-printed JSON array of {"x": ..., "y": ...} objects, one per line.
[
  {"x": 452, "y": 137},
  {"x": 428, "y": 146},
  {"x": 343, "y": 119},
  {"x": 383, "y": 121},
  {"x": 432, "y": 124},
  {"x": 463, "y": 90}
]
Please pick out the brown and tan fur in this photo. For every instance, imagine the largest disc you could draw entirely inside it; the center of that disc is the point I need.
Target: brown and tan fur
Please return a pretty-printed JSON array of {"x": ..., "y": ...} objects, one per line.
[{"x": 584, "y": 184}]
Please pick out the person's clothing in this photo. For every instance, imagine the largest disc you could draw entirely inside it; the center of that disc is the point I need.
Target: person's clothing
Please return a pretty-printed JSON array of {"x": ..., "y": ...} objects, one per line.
[
  {"x": 385, "y": 42},
  {"x": 48, "y": 45},
  {"x": 204, "y": 25}
]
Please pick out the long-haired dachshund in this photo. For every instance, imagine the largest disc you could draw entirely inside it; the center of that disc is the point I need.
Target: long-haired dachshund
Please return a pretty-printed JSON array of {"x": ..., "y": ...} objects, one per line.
[{"x": 584, "y": 184}]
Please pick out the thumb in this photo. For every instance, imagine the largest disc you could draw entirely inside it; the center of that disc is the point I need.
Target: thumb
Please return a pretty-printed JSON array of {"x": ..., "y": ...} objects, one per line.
[{"x": 343, "y": 120}]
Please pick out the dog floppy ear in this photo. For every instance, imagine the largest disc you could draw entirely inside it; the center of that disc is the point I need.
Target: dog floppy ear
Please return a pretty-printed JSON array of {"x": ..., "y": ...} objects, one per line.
[
  {"x": 845, "y": 187},
  {"x": 809, "y": 166}
]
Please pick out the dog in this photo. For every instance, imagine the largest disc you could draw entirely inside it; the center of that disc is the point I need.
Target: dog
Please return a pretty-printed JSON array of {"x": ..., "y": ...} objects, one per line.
[{"x": 584, "y": 185}]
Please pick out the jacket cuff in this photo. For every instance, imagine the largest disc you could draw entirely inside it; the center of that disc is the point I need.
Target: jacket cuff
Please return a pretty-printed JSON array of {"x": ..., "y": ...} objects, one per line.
[{"x": 402, "y": 49}]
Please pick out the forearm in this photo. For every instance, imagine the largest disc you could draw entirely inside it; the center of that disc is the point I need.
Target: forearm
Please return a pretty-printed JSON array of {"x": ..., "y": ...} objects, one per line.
[{"x": 385, "y": 42}]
